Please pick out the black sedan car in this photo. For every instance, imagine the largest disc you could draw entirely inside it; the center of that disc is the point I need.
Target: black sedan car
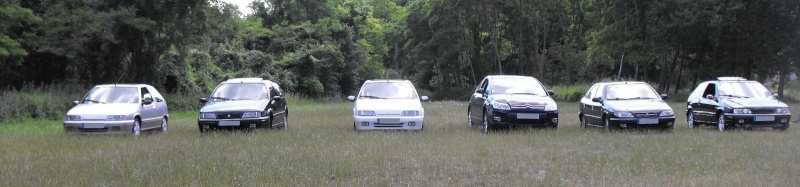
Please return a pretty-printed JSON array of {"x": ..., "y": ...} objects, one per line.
[
  {"x": 244, "y": 103},
  {"x": 625, "y": 105},
  {"x": 504, "y": 101},
  {"x": 735, "y": 102}
]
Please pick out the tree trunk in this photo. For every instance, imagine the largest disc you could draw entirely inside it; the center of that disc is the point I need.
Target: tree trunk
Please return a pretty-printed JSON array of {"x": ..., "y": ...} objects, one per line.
[
  {"x": 782, "y": 82},
  {"x": 495, "y": 44}
]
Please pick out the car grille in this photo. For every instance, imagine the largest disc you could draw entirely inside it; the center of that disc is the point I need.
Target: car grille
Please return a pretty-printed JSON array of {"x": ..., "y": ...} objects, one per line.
[
  {"x": 646, "y": 115},
  {"x": 527, "y": 106},
  {"x": 763, "y": 111},
  {"x": 94, "y": 130},
  {"x": 229, "y": 116}
]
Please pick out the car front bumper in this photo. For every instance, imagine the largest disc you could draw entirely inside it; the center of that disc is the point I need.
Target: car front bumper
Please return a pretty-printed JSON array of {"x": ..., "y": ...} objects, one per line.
[
  {"x": 638, "y": 123},
  {"x": 237, "y": 123},
  {"x": 98, "y": 127},
  {"x": 758, "y": 120},
  {"x": 515, "y": 118},
  {"x": 388, "y": 122}
]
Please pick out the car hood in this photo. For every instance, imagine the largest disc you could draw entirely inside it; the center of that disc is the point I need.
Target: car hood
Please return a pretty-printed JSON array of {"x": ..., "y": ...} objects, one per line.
[
  {"x": 752, "y": 102},
  {"x": 637, "y": 105},
  {"x": 227, "y": 106},
  {"x": 388, "y": 104},
  {"x": 104, "y": 109},
  {"x": 522, "y": 99}
]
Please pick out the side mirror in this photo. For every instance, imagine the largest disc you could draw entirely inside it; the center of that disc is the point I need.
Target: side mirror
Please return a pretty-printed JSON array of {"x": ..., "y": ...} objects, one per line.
[
  {"x": 709, "y": 96},
  {"x": 480, "y": 91},
  {"x": 351, "y": 98},
  {"x": 75, "y": 103},
  {"x": 203, "y": 100},
  {"x": 551, "y": 92},
  {"x": 277, "y": 97},
  {"x": 424, "y": 98},
  {"x": 776, "y": 96},
  {"x": 664, "y": 96},
  {"x": 147, "y": 101},
  {"x": 597, "y": 99}
]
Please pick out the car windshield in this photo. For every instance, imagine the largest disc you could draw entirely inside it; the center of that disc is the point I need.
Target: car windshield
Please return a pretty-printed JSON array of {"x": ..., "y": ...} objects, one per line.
[
  {"x": 743, "y": 90},
  {"x": 239, "y": 91},
  {"x": 388, "y": 90},
  {"x": 108, "y": 95},
  {"x": 629, "y": 91},
  {"x": 528, "y": 86}
]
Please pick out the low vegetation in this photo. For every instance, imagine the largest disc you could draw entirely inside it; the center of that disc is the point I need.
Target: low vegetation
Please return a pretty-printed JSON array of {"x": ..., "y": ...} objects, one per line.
[{"x": 320, "y": 148}]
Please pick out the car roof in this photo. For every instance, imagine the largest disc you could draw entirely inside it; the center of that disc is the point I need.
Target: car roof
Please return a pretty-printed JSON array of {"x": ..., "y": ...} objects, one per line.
[
  {"x": 508, "y": 76},
  {"x": 622, "y": 82},
  {"x": 386, "y": 80},
  {"x": 248, "y": 80},
  {"x": 122, "y": 85}
]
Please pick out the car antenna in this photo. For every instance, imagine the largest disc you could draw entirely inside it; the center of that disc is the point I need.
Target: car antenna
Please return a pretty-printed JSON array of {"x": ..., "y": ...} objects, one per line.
[{"x": 120, "y": 78}]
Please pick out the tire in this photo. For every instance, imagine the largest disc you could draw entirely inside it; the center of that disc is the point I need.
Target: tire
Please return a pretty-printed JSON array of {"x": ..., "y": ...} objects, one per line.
[
  {"x": 164, "y": 125},
  {"x": 285, "y": 122},
  {"x": 583, "y": 122},
  {"x": 487, "y": 127},
  {"x": 721, "y": 122},
  {"x": 690, "y": 120},
  {"x": 137, "y": 127},
  {"x": 606, "y": 124},
  {"x": 469, "y": 117}
]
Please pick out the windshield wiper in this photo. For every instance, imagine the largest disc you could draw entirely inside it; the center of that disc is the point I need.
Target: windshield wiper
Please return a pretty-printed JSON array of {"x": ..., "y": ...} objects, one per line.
[
  {"x": 371, "y": 97},
  {"x": 94, "y": 101},
  {"x": 524, "y": 93},
  {"x": 222, "y": 98},
  {"x": 729, "y": 95}
]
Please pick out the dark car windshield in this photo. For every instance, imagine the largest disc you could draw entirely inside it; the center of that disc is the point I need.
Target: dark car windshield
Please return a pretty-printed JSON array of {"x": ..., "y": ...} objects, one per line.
[
  {"x": 516, "y": 86},
  {"x": 388, "y": 90},
  {"x": 743, "y": 90},
  {"x": 240, "y": 91},
  {"x": 106, "y": 95},
  {"x": 630, "y": 91}
]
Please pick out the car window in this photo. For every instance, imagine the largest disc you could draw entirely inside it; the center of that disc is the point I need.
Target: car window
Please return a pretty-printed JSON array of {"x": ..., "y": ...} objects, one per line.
[
  {"x": 743, "y": 90},
  {"x": 591, "y": 90},
  {"x": 240, "y": 91},
  {"x": 598, "y": 92},
  {"x": 629, "y": 91},
  {"x": 107, "y": 95},
  {"x": 273, "y": 91},
  {"x": 710, "y": 90},
  {"x": 516, "y": 86},
  {"x": 482, "y": 85},
  {"x": 698, "y": 92},
  {"x": 156, "y": 95},
  {"x": 388, "y": 90}
]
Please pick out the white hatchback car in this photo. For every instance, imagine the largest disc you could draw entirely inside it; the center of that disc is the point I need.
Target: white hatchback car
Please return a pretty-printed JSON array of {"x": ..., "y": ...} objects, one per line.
[
  {"x": 118, "y": 109},
  {"x": 388, "y": 105}
]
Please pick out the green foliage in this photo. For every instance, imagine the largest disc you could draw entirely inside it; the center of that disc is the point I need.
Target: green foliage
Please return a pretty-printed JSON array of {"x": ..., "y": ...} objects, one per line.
[
  {"x": 569, "y": 93},
  {"x": 12, "y": 18}
]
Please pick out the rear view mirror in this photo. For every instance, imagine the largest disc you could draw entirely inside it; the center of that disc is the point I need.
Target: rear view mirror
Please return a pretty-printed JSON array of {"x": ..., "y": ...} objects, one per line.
[
  {"x": 203, "y": 100},
  {"x": 664, "y": 96},
  {"x": 75, "y": 102},
  {"x": 147, "y": 101},
  {"x": 480, "y": 91},
  {"x": 551, "y": 92},
  {"x": 424, "y": 98},
  {"x": 351, "y": 98},
  {"x": 597, "y": 99},
  {"x": 776, "y": 96}
]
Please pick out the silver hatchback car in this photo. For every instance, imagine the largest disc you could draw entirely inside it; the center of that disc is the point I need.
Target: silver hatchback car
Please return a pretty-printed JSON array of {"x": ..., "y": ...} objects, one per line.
[{"x": 118, "y": 109}]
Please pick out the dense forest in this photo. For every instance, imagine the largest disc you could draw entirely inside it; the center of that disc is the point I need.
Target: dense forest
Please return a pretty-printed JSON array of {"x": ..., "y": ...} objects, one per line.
[{"x": 326, "y": 48}]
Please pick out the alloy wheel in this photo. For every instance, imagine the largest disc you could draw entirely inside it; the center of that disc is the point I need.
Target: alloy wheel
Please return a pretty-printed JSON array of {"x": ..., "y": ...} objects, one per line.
[
  {"x": 137, "y": 128},
  {"x": 164, "y": 125},
  {"x": 721, "y": 123},
  {"x": 690, "y": 120}
]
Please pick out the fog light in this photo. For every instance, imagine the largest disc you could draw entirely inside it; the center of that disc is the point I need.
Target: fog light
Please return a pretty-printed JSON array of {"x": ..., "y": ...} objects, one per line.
[
  {"x": 412, "y": 123},
  {"x": 784, "y": 120},
  {"x": 365, "y": 123},
  {"x": 741, "y": 120},
  {"x": 205, "y": 126},
  {"x": 497, "y": 118},
  {"x": 252, "y": 125},
  {"x": 623, "y": 125},
  {"x": 555, "y": 120}
]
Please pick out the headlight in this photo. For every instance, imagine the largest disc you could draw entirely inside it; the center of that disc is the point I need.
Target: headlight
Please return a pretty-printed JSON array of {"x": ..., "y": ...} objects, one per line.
[
  {"x": 366, "y": 113},
  {"x": 782, "y": 111},
  {"x": 115, "y": 118},
  {"x": 741, "y": 111},
  {"x": 411, "y": 113},
  {"x": 552, "y": 107},
  {"x": 500, "y": 106},
  {"x": 250, "y": 115},
  {"x": 667, "y": 113},
  {"x": 208, "y": 116},
  {"x": 73, "y": 118},
  {"x": 623, "y": 114}
]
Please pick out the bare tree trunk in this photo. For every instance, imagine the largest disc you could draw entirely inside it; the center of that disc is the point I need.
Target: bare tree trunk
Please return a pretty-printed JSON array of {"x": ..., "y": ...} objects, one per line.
[
  {"x": 495, "y": 44},
  {"x": 782, "y": 82}
]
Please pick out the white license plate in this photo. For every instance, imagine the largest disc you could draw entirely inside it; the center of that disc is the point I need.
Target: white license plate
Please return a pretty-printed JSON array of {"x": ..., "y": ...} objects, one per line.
[
  {"x": 527, "y": 116},
  {"x": 648, "y": 121},
  {"x": 764, "y": 118},
  {"x": 228, "y": 123},
  {"x": 93, "y": 126},
  {"x": 388, "y": 120}
]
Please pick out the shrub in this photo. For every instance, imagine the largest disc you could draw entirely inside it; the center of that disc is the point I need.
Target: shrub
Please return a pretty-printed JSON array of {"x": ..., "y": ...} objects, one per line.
[{"x": 569, "y": 93}]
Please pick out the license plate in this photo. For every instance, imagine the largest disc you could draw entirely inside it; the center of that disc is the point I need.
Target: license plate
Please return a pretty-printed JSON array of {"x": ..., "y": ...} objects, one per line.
[
  {"x": 764, "y": 118},
  {"x": 228, "y": 123},
  {"x": 93, "y": 126},
  {"x": 388, "y": 120},
  {"x": 648, "y": 121},
  {"x": 527, "y": 116}
]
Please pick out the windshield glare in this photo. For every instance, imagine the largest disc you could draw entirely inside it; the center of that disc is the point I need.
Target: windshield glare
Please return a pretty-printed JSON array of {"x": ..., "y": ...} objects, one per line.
[
  {"x": 516, "y": 86},
  {"x": 630, "y": 91},
  {"x": 107, "y": 95},
  {"x": 744, "y": 89},
  {"x": 388, "y": 90},
  {"x": 240, "y": 91}
]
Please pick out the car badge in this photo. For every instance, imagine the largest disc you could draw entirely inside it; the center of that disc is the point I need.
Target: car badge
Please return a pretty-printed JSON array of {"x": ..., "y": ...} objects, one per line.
[
  {"x": 229, "y": 116},
  {"x": 528, "y": 106}
]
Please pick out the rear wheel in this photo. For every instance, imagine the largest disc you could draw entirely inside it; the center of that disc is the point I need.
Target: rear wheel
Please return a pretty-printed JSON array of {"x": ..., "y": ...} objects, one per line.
[
  {"x": 164, "y": 125},
  {"x": 137, "y": 127},
  {"x": 486, "y": 126},
  {"x": 721, "y": 123},
  {"x": 690, "y": 120}
]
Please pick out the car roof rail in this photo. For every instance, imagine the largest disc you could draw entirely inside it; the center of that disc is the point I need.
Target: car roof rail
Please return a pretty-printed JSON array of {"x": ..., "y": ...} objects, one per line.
[
  {"x": 731, "y": 79},
  {"x": 244, "y": 80}
]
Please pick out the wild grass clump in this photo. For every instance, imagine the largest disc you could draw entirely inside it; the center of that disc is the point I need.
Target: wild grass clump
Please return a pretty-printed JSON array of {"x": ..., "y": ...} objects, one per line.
[
  {"x": 38, "y": 101},
  {"x": 571, "y": 93}
]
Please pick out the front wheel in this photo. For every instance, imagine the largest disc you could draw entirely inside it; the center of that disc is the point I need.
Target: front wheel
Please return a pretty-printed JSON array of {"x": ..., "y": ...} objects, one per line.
[
  {"x": 606, "y": 124},
  {"x": 137, "y": 127},
  {"x": 469, "y": 117},
  {"x": 285, "y": 122},
  {"x": 721, "y": 122},
  {"x": 486, "y": 126},
  {"x": 690, "y": 120},
  {"x": 583, "y": 122},
  {"x": 164, "y": 125}
]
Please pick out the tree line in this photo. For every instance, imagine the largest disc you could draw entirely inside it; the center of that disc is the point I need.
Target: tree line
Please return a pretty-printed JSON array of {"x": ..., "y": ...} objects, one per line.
[{"x": 328, "y": 47}]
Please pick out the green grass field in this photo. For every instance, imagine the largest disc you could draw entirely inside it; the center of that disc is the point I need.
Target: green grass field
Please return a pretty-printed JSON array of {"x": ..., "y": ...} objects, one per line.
[{"x": 321, "y": 149}]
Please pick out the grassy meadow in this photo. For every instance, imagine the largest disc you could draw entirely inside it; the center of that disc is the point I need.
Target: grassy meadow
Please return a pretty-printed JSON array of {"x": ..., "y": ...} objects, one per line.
[{"x": 321, "y": 149}]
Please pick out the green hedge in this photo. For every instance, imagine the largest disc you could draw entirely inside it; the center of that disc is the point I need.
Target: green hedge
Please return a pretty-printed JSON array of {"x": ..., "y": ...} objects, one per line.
[{"x": 569, "y": 93}]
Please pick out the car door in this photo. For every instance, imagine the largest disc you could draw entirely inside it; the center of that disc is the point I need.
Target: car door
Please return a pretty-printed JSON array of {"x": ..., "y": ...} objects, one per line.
[
  {"x": 277, "y": 105},
  {"x": 587, "y": 106},
  {"x": 147, "y": 112},
  {"x": 477, "y": 100},
  {"x": 706, "y": 108},
  {"x": 161, "y": 105},
  {"x": 596, "y": 111}
]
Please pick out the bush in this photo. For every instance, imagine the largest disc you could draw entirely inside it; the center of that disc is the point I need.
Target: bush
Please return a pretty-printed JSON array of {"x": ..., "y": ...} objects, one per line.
[
  {"x": 569, "y": 93},
  {"x": 38, "y": 102}
]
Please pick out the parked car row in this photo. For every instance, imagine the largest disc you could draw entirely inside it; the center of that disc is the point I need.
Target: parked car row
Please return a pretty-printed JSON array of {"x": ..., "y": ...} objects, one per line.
[{"x": 498, "y": 101}]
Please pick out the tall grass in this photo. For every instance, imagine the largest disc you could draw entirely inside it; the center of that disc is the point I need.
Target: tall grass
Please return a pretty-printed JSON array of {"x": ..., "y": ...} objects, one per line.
[{"x": 321, "y": 149}]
